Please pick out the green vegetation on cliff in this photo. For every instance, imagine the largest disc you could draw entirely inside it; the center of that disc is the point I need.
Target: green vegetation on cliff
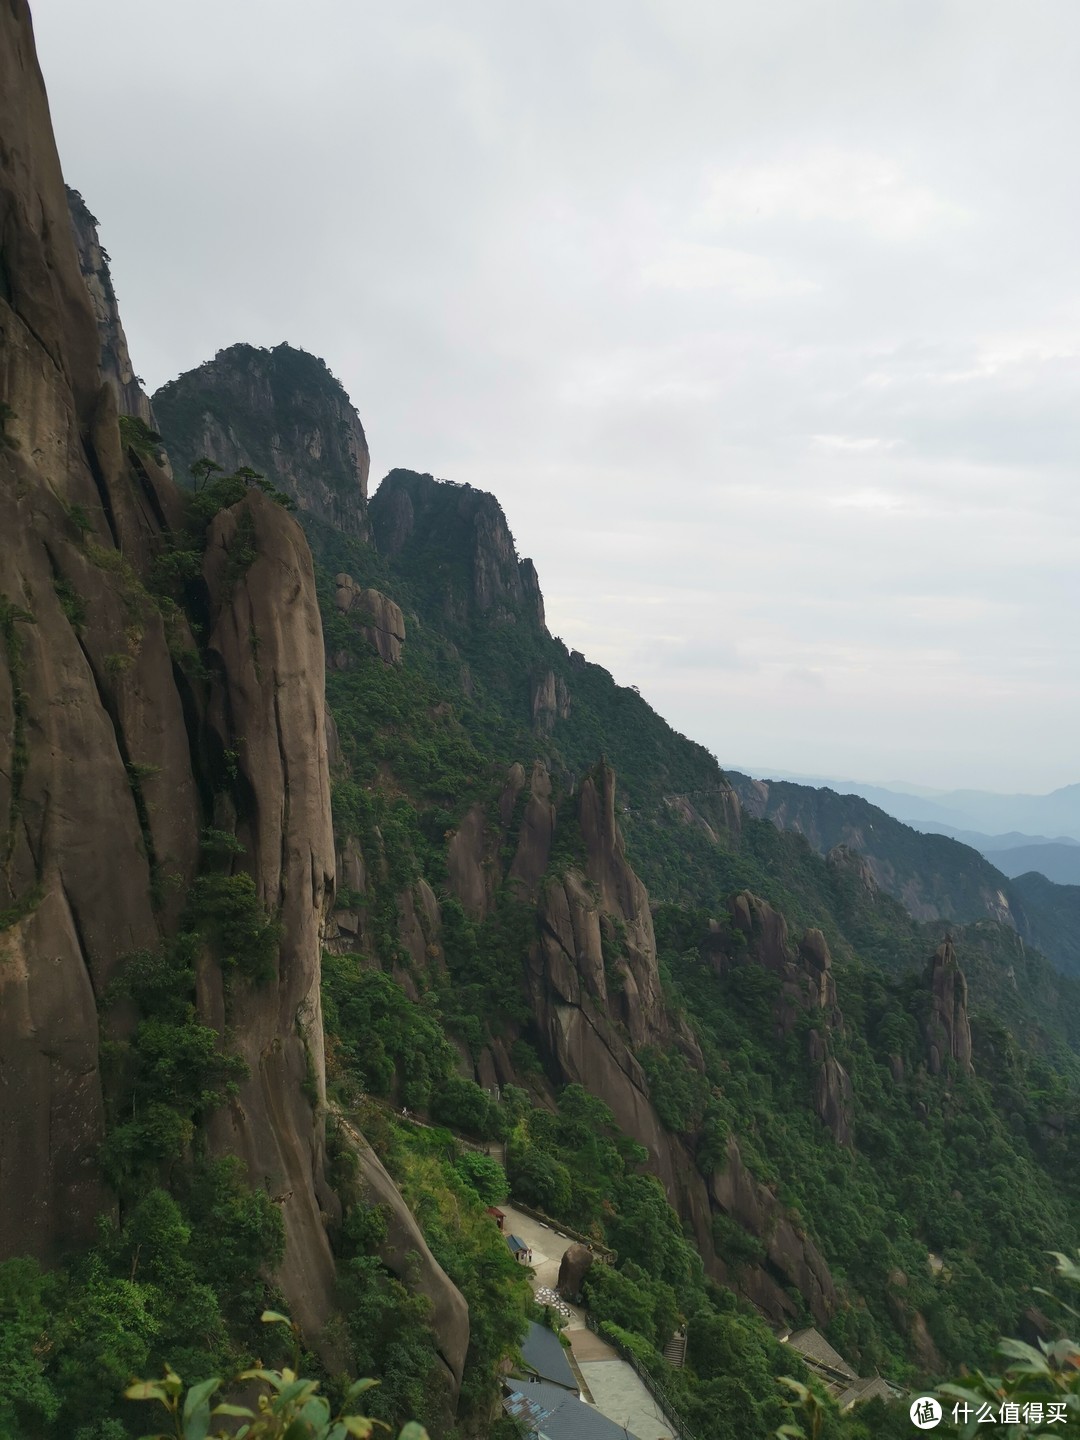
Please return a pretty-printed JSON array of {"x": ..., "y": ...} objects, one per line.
[{"x": 931, "y": 1190}]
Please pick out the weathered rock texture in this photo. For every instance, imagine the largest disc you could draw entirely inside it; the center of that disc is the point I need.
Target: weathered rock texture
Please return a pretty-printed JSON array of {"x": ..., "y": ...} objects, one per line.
[
  {"x": 116, "y": 367},
  {"x": 376, "y": 617},
  {"x": 596, "y": 1001},
  {"x": 550, "y": 702},
  {"x": 792, "y": 1258},
  {"x": 807, "y": 987},
  {"x": 573, "y": 1267},
  {"x": 948, "y": 1032},
  {"x": 112, "y": 762},
  {"x": 75, "y": 871},
  {"x": 266, "y": 713},
  {"x": 281, "y": 412}
]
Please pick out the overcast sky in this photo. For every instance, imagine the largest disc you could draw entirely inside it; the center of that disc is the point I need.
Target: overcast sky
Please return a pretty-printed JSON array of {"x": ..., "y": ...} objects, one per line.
[{"x": 762, "y": 321}]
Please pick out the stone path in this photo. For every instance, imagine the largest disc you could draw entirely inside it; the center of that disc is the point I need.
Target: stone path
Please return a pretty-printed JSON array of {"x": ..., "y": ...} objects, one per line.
[
  {"x": 613, "y": 1386},
  {"x": 619, "y": 1394}
]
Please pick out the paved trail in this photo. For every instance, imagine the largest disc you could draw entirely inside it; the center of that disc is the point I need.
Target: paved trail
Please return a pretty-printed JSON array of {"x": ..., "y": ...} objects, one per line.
[{"x": 614, "y": 1386}]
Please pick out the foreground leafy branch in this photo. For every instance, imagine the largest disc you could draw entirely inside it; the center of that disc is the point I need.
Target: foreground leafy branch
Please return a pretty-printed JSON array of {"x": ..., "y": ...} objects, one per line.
[
  {"x": 1034, "y": 1395},
  {"x": 288, "y": 1406},
  {"x": 1040, "y": 1389}
]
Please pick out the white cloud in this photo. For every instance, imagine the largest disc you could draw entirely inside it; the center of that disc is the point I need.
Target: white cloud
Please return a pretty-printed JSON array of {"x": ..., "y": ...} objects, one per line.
[
  {"x": 857, "y": 443},
  {"x": 683, "y": 265},
  {"x": 835, "y": 186},
  {"x": 762, "y": 321}
]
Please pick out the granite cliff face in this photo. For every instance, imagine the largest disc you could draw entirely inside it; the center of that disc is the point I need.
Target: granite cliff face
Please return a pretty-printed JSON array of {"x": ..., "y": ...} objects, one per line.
[
  {"x": 948, "y": 1031},
  {"x": 265, "y": 713},
  {"x": 594, "y": 992},
  {"x": 75, "y": 878},
  {"x": 281, "y": 412},
  {"x": 807, "y": 987},
  {"x": 116, "y": 367},
  {"x": 115, "y": 753},
  {"x": 375, "y": 616}
]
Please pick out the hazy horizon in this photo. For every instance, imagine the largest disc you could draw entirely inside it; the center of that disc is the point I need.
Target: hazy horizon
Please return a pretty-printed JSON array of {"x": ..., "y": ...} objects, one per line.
[
  {"x": 902, "y": 787},
  {"x": 762, "y": 324}
]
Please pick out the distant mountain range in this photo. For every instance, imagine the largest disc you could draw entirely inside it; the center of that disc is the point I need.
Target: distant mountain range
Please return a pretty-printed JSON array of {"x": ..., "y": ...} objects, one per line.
[
  {"x": 1018, "y": 834},
  {"x": 984, "y": 812},
  {"x": 1060, "y": 863},
  {"x": 934, "y": 876}
]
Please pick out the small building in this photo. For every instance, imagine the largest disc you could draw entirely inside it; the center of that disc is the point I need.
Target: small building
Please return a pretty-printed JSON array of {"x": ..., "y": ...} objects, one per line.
[
  {"x": 827, "y": 1364},
  {"x": 497, "y": 1215},
  {"x": 836, "y": 1374},
  {"x": 873, "y": 1389},
  {"x": 543, "y": 1357},
  {"x": 520, "y": 1251}
]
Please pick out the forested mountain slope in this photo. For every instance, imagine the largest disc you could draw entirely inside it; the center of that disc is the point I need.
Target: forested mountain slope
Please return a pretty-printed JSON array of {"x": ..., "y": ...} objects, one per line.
[
  {"x": 307, "y": 825},
  {"x": 933, "y": 876},
  {"x": 573, "y": 889}
]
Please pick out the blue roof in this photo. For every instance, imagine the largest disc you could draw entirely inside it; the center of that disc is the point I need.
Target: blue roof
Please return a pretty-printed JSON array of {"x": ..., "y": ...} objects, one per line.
[
  {"x": 551, "y": 1413},
  {"x": 516, "y": 1244},
  {"x": 542, "y": 1353},
  {"x": 532, "y": 1401}
]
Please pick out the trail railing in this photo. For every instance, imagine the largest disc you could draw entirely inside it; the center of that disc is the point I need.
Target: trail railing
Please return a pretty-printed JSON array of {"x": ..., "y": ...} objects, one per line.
[{"x": 679, "y": 1429}]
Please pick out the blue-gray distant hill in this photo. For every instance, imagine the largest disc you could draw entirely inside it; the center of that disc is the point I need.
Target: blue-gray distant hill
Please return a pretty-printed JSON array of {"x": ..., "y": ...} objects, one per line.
[
  {"x": 1011, "y": 840},
  {"x": 934, "y": 877},
  {"x": 1055, "y": 861},
  {"x": 1055, "y": 815}
]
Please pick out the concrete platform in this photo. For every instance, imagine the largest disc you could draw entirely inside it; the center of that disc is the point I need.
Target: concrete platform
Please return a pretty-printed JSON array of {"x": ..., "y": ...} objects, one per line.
[{"x": 620, "y": 1395}]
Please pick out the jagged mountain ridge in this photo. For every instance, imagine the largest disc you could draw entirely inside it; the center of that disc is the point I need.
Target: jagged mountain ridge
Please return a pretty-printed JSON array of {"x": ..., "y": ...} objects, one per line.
[
  {"x": 953, "y": 812},
  {"x": 476, "y": 666},
  {"x": 933, "y": 877},
  {"x": 249, "y": 732},
  {"x": 448, "y": 550},
  {"x": 452, "y": 550},
  {"x": 443, "y": 552}
]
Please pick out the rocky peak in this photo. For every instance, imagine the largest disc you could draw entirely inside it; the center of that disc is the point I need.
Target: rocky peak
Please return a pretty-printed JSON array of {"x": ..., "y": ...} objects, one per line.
[
  {"x": 116, "y": 367},
  {"x": 807, "y": 986},
  {"x": 550, "y": 702},
  {"x": 283, "y": 413},
  {"x": 114, "y": 759},
  {"x": 805, "y": 970},
  {"x": 948, "y": 1031},
  {"x": 376, "y": 617},
  {"x": 454, "y": 542}
]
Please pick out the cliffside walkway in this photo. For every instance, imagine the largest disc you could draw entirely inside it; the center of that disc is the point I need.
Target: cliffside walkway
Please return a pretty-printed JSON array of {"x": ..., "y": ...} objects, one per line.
[{"x": 608, "y": 1382}]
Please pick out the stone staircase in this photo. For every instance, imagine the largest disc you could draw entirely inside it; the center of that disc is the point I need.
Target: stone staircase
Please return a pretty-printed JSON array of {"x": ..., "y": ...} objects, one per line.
[{"x": 675, "y": 1350}]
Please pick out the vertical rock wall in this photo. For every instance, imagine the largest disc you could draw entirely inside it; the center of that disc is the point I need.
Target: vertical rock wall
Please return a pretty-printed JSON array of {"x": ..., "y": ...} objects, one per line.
[
  {"x": 116, "y": 367},
  {"x": 74, "y": 865},
  {"x": 99, "y": 754},
  {"x": 266, "y": 712}
]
